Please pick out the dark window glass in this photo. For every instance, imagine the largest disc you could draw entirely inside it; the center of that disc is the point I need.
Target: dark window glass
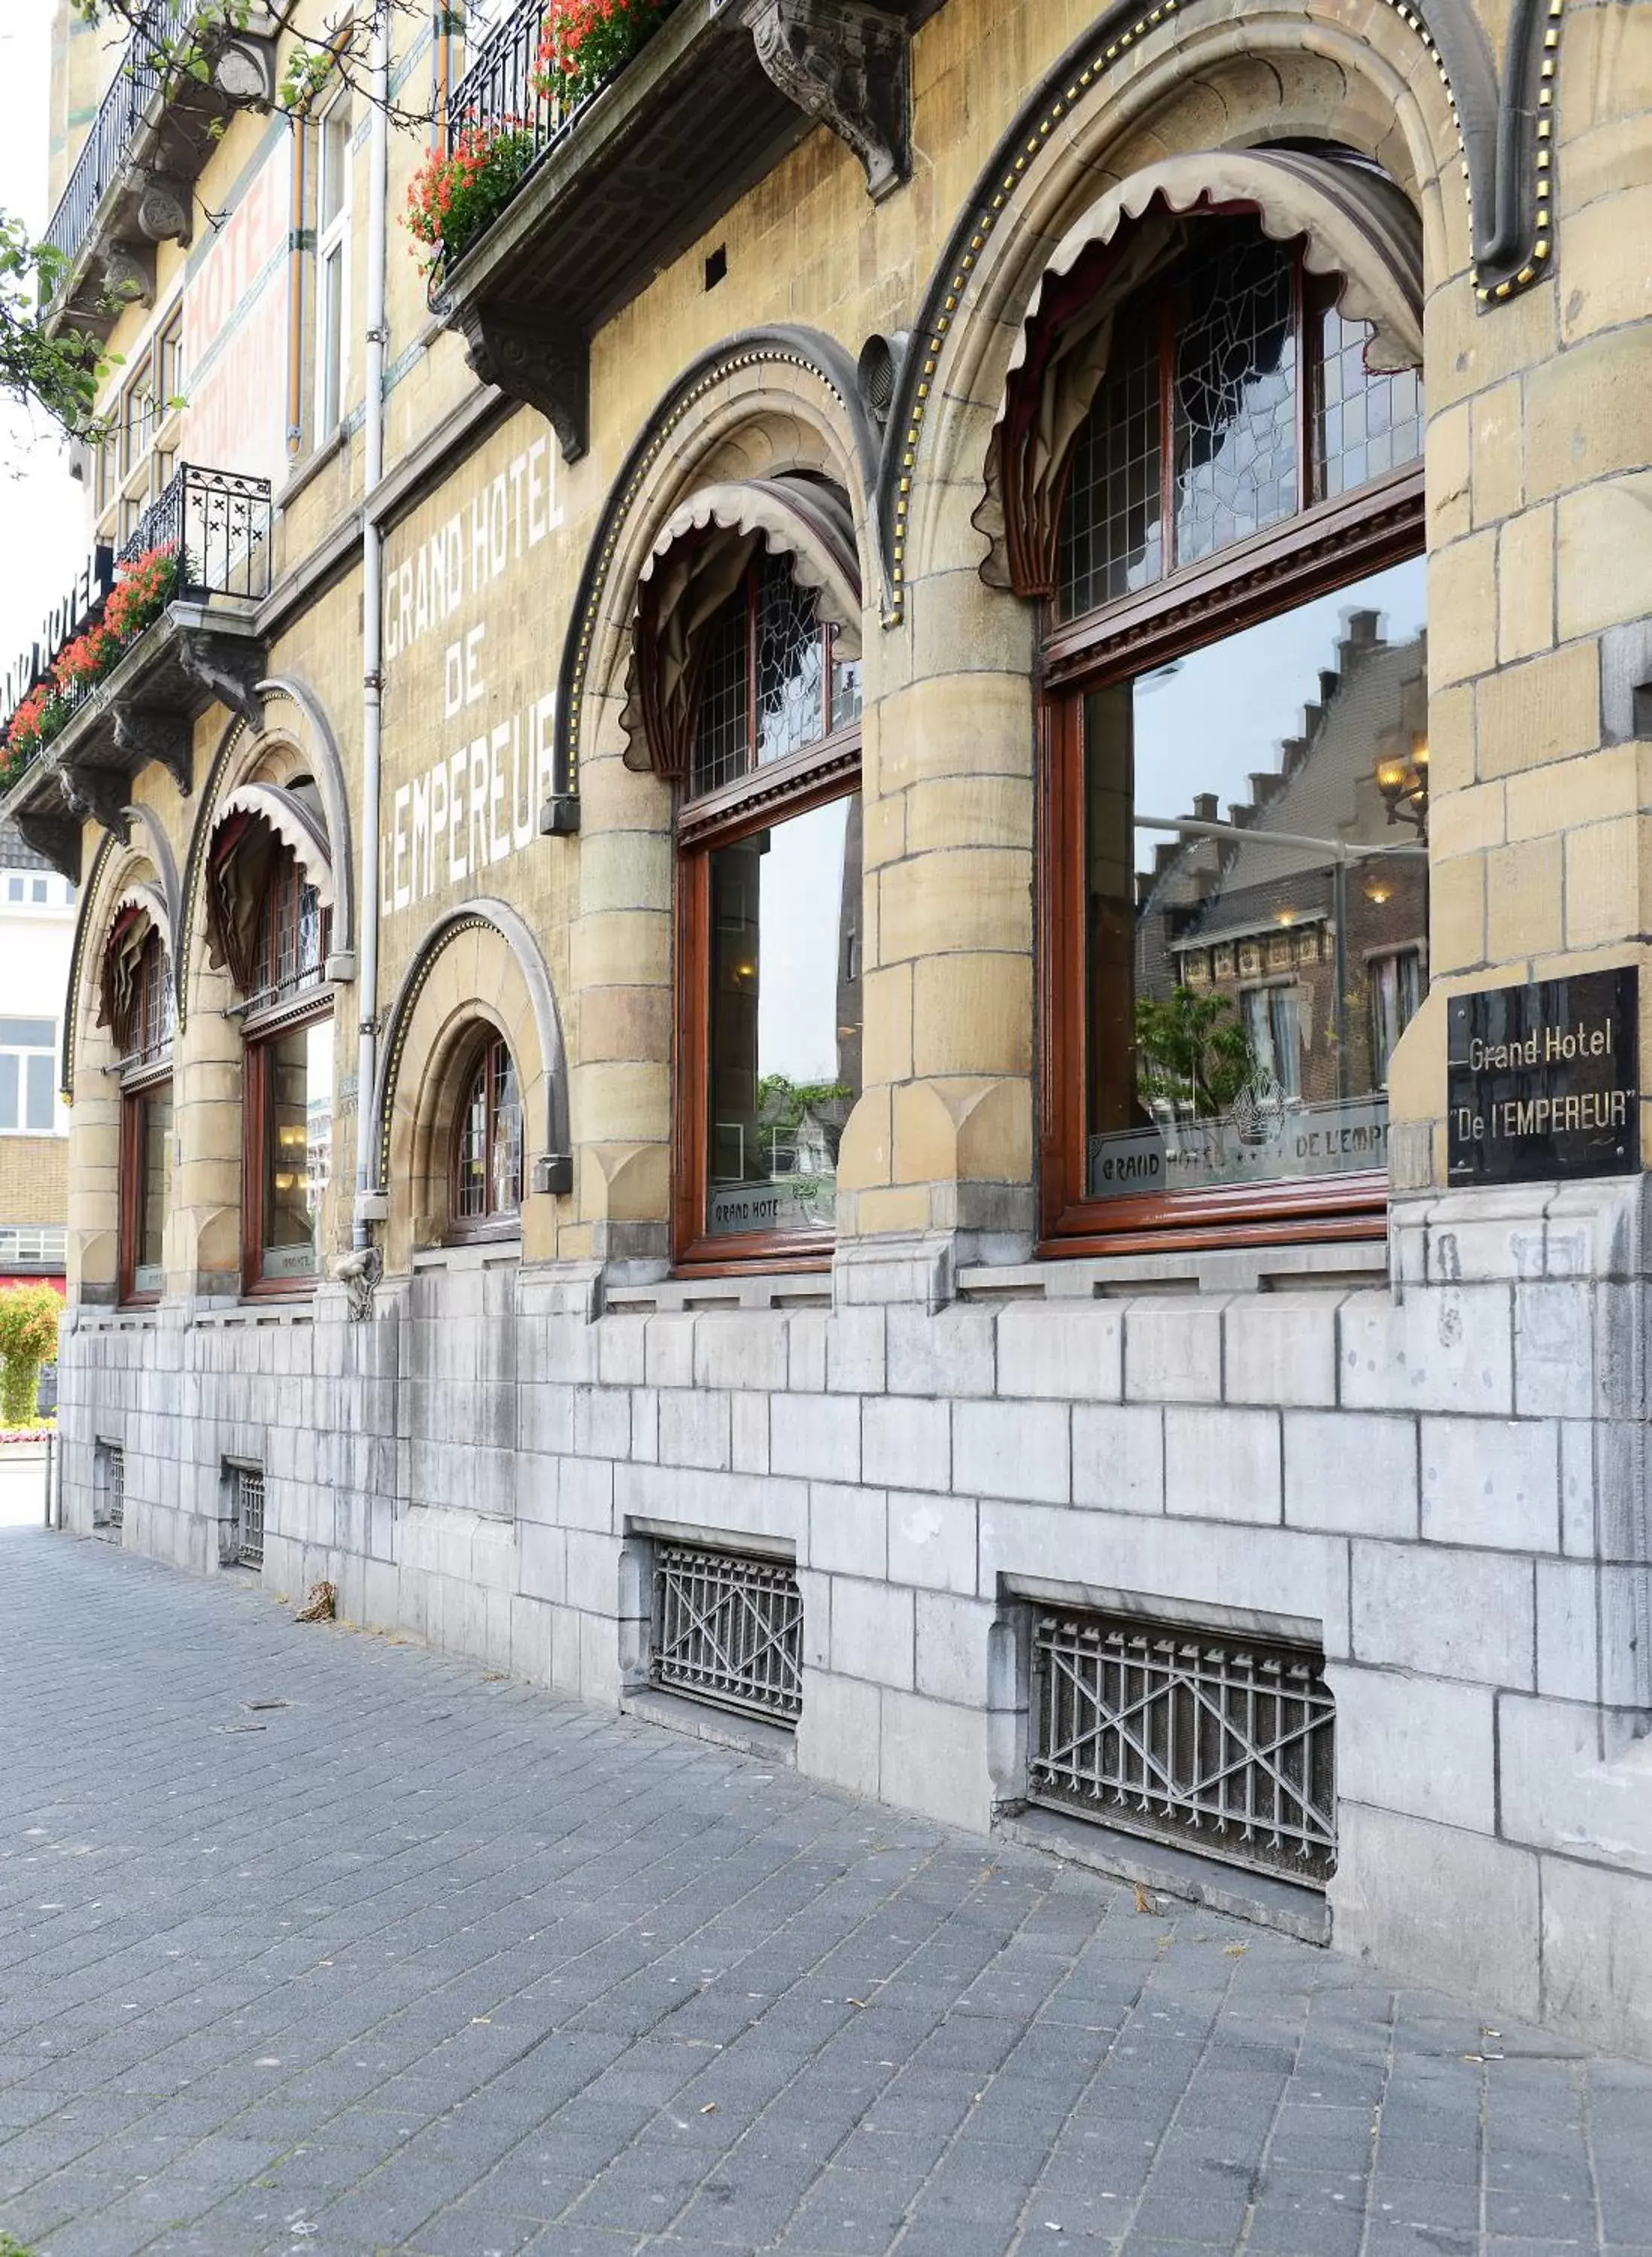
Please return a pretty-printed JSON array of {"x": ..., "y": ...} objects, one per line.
[
  {"x": 298, "y": 1146},
  {"x": 154, "y": 1169},
  {"x": 785, "y": 1020},
  {"x": 152, "y": 1006},
  {"x": 488, "y": 1175},
  {"x": 292, "y": 934},
  {"x": 1245, "y": 989},
  {"x": 722, "y": 730},
  {"x": 1367, "y": 424},
  {"x": 1112, "y": 526}
]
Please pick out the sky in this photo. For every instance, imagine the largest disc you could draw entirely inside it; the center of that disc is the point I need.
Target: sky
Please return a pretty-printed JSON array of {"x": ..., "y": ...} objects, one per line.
[{"x": 43, "y": 515}]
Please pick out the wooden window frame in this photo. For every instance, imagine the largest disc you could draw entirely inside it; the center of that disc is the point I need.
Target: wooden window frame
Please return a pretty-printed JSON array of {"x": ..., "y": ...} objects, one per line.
[
  {"x": 1314, "y": 552},
  {"x": 258, "y": 1038},
  {"x": 136, "y": 1090},
  {"x": 275, "y": 1012},
  {"x": 147, "y": 1068},
  {"x": 495, "y": 1223},
  {"x": 811, "y": 777}
]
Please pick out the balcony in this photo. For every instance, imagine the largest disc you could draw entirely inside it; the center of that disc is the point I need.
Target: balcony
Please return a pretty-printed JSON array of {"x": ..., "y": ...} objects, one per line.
[
  {"x": 133, "y": 182},
  {"x": 204, "y": 646},
  {"x": 619, "y": 186}
]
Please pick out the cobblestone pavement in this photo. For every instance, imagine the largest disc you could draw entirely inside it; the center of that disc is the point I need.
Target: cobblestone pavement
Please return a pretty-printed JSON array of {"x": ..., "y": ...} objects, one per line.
[{"x": 311, "y": 1941}]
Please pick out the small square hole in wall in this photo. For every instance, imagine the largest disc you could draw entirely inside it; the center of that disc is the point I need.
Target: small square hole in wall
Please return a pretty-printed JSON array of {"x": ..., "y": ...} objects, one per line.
[{"x": 716, "y": 267}]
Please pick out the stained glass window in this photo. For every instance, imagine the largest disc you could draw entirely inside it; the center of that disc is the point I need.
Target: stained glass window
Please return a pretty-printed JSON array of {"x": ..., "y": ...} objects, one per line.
[
  {"x": 1222, "y": 336},
  {"x": 773, "y": 681}
]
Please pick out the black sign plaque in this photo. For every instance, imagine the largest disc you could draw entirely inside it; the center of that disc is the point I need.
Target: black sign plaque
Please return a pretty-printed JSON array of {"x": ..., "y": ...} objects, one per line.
[{"x": 1543, "y": 1082}]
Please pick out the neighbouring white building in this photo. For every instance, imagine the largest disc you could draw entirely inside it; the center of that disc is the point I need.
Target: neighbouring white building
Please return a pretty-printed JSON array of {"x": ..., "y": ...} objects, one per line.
[{"x": 37, "y": 937}]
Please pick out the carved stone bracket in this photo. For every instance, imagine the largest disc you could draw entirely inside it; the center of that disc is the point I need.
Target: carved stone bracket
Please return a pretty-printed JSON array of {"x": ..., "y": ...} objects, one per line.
[
  {"x": 100, "y": 793},
  {"x": 128, "y": 275},
  {"x": 226, "y": 668},
  {"x": 57, "y": 837},
  {"x": 536, "y": 360},
  {"x": 359, "y": 1273},
  {"x": 243, "y": 71},
  {"x": 149, "y": 732},
  {"x": 848, "y": 65},
  {"x": 166, "y": 208}
]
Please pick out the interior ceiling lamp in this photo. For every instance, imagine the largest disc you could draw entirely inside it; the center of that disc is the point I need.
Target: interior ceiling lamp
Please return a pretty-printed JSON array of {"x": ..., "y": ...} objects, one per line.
[{"x": 1402, "y": 778}]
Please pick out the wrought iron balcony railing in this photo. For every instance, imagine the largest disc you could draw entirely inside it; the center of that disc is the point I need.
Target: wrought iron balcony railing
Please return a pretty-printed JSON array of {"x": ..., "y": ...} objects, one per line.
[
  {"x": 218, "y": 522},
  {"x": 499, "y": 94},
  {"x": 108, "y": 144}
]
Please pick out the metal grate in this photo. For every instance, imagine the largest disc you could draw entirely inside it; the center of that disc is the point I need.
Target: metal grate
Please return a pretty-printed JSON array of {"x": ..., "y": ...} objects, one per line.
[
  {"x": 728, "y": 1630},
  {"x": 108, "y": 1497},
  {"x": 248, "y": 1518},
  {"x": 1221, "y": 1746}
]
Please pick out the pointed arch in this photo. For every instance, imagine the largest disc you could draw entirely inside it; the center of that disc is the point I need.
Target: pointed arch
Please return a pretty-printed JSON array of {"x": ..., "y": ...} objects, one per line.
[
  {"x": 1417, "y": 55},
  {"x": 293, "y": 717},
  {"x": 720, "y": 423},
  {"x": 94, "y": 916},
  {"x": 550, "y": 1166}
]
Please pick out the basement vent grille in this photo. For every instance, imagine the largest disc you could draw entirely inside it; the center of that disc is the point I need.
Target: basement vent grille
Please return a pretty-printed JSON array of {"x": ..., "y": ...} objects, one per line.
[
  {"x": 728, "y": 1630},
  {"x": 249, "y": 1516},
  {"x": 1216, "y": 1745},
  {"x": 108, "y": 1491}
]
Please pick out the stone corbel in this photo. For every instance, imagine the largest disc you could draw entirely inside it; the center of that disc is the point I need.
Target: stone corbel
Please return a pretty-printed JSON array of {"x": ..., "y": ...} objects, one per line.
[
  {"x": 226, "y": 668},
  {"x": 848, "y": 65},
  {"x": 166, "y": 208},
  {"x": 100, "y": 793},
  {"x": 243, "y": 71},
  {"x": 57, "y": 837},
  {"x": 128, "y": 275},
  {"x": 535, "y": 360},
  {"x": 148, "y": 732},
  {"x": 359, "y": 1273}
]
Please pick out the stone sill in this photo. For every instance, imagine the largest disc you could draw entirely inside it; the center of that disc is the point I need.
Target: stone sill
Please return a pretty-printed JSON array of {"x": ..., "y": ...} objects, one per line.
[
  {"x": 469, "y": 1254},
  {"x": 720, "y": 1728},
  {"x": 1354, "y": 1267},
  {"x": 1258, "y": 1898},
  {"x": 676, "y": 1295}
]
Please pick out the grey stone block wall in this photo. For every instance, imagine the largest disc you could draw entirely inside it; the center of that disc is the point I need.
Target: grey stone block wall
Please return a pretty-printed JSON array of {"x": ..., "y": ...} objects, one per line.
[{"x": 1440, "y": 1473}]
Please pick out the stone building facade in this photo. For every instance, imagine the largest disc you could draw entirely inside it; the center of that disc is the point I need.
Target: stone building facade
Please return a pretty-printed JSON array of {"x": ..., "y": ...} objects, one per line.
[{"x": 872, "y": 1313}]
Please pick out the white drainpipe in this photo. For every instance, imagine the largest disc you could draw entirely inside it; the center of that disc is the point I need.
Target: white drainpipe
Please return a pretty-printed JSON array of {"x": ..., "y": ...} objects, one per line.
[{"x": 369, "y": 1208}]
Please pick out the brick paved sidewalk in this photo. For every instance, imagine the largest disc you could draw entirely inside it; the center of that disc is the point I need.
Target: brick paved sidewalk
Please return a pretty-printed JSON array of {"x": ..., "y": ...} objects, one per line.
[{"x": 432, "y": 1963}]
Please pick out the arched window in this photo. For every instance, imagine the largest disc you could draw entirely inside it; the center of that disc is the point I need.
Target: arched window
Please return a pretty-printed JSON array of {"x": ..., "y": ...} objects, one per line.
[
  {"x": 139, "y": 1007},
  {"x": 277, "y": 925},
  {"x": 1235, "y": 903},
  {"x": 769, "y": 828},
  {"x": 487, "y": 1172}
]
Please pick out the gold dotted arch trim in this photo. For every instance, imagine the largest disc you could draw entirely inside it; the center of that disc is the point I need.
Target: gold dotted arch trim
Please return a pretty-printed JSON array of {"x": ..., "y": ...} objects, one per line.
[
  {"x": 406, "y": 1004},
  {"x": 77, "y": 964},
  {"x": 591, "y": 602}
]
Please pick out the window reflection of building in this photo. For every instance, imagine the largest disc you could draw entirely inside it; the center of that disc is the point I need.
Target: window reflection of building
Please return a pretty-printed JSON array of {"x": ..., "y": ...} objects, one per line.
[
  {"x": 776, "y": 714},
  {"x": 1254, "y": 919},
  {"x": 786, "y": 1027}
]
